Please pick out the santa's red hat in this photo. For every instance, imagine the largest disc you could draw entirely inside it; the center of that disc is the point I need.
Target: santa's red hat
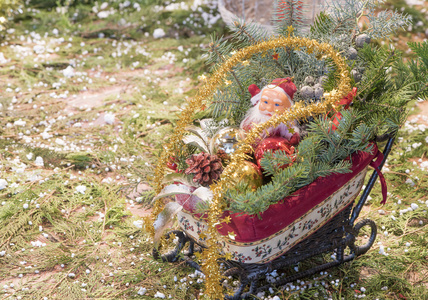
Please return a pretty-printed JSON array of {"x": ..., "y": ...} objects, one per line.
[{"x": 285, "y": 84}]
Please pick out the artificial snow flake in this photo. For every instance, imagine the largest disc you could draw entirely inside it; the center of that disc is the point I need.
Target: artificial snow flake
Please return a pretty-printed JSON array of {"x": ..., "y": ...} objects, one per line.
[
  {"x": 19, "y": 123},
  {"x": 68, "y": 72},
  {"x": 81, "y": 189},
  {"x": 159, "y": 295},
  {"x": 3, "y": 184},
  {"x": 3, "y": 60},
  {"x": 138, "y": 224},
  {"x": 37, "y": 244},
  {"x": 142, "y": 291},
  {"x": 60, "y": 142},
  {"x": 39, "y": 161},
  {"x": 410, "y": 182},
  {"x": 46, "y": 135},
  {"x": 109, "y": 118},
  {"x": 414, "y": 206},
  {"x": 158, "y": 33}
]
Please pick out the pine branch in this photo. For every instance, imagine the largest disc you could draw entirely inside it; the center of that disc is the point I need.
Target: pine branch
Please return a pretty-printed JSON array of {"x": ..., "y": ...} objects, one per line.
[
  {"x": 288, "y": 14},
  {"x": 219, "y": 56},
  {"x": 380, "y": 72}
]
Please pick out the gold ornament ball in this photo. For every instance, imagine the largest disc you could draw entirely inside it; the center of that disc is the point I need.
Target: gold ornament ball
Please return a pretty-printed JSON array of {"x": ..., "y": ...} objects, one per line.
[
  {"x": 248, "y": 173},
  {"x": 226, "y": 139}
]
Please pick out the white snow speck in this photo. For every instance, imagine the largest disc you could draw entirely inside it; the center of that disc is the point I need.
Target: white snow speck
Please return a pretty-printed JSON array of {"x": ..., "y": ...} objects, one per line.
[
  {"x": 158, "y": 33},
  {"x": 81, "y": 189},
  {"x": 19, "y": 123},
  {"x": 109, "y": 118},
  {"x": 3, "y": 184},
  {"x": 159, "y": 295},
  {"x": 142, "y": 291},
  {"x": 68, "y": 72},
  {"x": 138, "y": 224},
  {"x": 39, "y": 161},
  {"x": 103, "y": 14}
]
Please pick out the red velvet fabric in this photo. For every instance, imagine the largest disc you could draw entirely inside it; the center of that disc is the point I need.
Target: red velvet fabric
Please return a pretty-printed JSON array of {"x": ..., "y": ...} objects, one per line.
[{"x": 249, "y": 228}]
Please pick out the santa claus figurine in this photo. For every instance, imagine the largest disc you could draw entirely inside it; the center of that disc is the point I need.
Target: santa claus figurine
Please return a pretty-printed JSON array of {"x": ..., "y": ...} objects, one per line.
[{"x": 272, "y": 99}]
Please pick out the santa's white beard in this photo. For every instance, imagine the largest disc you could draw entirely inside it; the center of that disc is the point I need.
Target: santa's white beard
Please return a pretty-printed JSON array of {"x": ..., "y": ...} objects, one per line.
[{"x": 254, "y": 116}]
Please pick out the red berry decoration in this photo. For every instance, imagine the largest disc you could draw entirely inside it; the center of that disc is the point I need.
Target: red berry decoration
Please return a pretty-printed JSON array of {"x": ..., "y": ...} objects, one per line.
[
  {"x": 171, "y": 164},
  {"x": 274, "y": 144}
]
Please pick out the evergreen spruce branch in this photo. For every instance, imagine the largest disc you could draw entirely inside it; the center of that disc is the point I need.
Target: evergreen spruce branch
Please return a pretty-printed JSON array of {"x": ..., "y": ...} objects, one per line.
[
  {"x": 322, "y": 127},
  {"x": 380, "y": 72},
  {"x": 383, "y": 23},
  {"x": 288, "y": 14},
  {"x": 218, "y": 51},
  {"x": 237, "y": 81},
  {"x": 281, "y": 158},
  {"x": 323, "y": 169},
  {"x": 419, "y": 68},
  {"x": 248, "y": 33},
  {"x": 421, "y": 50},
  {"x": 335, "y": 138},
  {"x": 281, "y": 186},
  {"x": 308, "y": 146},
  {"x": 223, "y": 103},
  {"x": 344, "y": 15},
  {"x": 361, "y": 137},
  {"x": 421, "y": 92},
  {"x": 272, "y": 161},
  {"x": 280, "y": 67},
  {"x": 322, "y": 26}
]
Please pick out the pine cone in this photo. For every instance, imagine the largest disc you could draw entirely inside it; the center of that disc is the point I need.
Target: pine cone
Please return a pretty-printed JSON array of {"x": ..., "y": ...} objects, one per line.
[
  {"x": 206, "y": 168},
  {"x": 223, "y": 155}
]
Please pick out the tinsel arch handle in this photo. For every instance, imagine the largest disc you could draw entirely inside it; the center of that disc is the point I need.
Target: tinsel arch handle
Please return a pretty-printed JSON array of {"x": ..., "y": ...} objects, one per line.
[{"x": 330, "y": 100}]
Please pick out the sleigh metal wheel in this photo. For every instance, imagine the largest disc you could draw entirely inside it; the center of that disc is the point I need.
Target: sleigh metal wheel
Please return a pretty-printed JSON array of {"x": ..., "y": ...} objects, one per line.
[{"x": 361, "y": 249}]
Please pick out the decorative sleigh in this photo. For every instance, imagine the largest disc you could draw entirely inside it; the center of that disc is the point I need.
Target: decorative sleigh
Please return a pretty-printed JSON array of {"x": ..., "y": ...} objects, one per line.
[{"x": 317, "y": 219}]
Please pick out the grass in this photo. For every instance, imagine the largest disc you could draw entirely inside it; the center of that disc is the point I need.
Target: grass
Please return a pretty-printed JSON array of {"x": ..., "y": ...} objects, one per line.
[{"x": 60, "y": 240}]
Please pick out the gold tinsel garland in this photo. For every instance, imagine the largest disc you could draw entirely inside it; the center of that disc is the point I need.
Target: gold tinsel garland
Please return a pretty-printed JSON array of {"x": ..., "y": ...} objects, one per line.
[{"x": 299, "y": 111}]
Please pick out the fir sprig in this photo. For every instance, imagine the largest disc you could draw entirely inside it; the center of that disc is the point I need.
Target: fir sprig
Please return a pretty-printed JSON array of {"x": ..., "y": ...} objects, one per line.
[
  {"x": 288, "y": 15},
  {"x": 248, "y": 32}
]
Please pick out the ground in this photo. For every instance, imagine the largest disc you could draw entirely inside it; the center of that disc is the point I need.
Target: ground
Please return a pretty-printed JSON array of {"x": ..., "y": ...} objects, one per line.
[{"x": 86, "y": 101}]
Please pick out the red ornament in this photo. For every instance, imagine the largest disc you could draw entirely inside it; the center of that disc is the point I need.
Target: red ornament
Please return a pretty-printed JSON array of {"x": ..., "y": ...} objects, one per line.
[
  {"x": 274, "y": 144},
  {"x": 171, "y": 164},
  {"x": 347, "y": 100}
]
